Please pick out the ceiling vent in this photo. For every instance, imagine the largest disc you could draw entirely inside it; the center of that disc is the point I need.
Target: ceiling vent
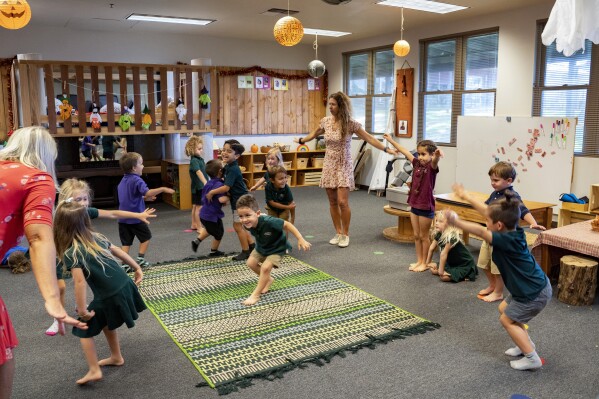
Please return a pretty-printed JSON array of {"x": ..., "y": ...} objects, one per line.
[
  {"x": 279, "y": 11},
  {"x": 336, "y": 2}
]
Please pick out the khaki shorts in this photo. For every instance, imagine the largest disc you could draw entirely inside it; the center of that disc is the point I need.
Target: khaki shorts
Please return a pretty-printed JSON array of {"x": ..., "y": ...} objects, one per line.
[
  {"x": 236, "y": 218},
  {"x": 283, "y": 215},
  {"x": 484, "y": 258},
  {"x": 275, "y": 259}
]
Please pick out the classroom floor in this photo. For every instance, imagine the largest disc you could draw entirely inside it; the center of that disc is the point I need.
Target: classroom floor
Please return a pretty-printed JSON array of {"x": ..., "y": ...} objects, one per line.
[{"x": 462, "y": 359}]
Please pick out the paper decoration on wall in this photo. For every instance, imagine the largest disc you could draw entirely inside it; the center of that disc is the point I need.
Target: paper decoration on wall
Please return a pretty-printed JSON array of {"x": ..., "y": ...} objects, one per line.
[
  {"x": 181, "y": 110},
  {"x": 259, "y": 82},
  {"x": 266, "y": 82},
  {"x": 204, "y": 98},
  {"x": 65, "y": 108},
  {"x": 95, "y": 119},
  {"x": 125, "y": 121},
  {"x": 249, "y": 82},
  {"x": 281, "y": 84},
  {"x": 241, "y": 82},
  {"x": 146, "y": 121}
]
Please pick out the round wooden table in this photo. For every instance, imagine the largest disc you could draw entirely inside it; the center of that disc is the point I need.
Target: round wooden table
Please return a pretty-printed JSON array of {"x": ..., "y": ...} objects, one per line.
[{"x": 403, "y": 231}]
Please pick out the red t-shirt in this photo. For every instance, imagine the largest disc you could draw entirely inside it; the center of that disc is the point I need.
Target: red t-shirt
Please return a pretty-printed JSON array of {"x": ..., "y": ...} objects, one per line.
[{"x": 26, "y": 197}]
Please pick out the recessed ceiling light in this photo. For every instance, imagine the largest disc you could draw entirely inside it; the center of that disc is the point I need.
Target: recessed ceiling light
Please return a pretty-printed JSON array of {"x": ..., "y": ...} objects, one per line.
[
  {"x": 323, "y": 32},
  {"x": 423, "y": 5},
  {"x": 170, "y": 20}
]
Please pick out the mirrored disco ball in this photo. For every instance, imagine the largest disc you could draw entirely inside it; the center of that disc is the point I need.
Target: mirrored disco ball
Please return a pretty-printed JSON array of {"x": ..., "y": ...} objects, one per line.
[{"x": 316, "y": 68}]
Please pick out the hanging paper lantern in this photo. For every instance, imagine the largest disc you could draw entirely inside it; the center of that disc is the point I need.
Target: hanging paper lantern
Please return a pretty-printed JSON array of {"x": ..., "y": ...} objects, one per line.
[
  {"x": 288, "y": 31},
  {"x": 401, "y": 48},
  {"x": 316, "y": 68},
  {"x": 14, "y": 14},
  {"x": 146, "y": 121},
  {"x": 125, "y": 121}
]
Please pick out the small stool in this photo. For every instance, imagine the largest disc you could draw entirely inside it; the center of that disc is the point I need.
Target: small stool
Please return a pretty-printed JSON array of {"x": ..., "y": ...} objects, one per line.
[
  {"x": 577, "y": 280},
  {"x": 403, "y": 232}
]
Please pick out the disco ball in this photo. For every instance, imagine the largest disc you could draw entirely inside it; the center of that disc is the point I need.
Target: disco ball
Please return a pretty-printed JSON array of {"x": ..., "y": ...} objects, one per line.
[{"x": 316, "y": 68}]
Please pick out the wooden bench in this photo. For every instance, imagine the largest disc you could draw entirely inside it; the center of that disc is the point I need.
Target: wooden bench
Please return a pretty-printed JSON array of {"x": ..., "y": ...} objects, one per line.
[{"x": 403, "y": 231}]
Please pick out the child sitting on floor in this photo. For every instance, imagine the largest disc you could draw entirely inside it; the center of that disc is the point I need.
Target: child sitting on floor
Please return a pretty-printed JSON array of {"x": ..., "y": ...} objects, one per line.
[{"x": 455, "y": 262}]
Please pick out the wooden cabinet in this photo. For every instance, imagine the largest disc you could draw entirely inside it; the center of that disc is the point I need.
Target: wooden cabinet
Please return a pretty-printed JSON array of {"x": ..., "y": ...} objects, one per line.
[
  {"x": 175, "y": 174},
  {"x": 303, "y": 167}
]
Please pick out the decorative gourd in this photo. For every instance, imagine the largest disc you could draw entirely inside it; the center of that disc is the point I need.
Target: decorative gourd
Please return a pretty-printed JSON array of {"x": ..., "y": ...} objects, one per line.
[
  {"x": 254, "y": 148},
  {"x": 146, "y": 121},
  {"x": 14, "y": 14}
]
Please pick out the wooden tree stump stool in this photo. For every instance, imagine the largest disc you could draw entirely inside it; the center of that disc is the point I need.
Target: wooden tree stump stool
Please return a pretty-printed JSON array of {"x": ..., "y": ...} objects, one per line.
[
  {"x": 577, "y": 280},
  {"x": 403, "y": 231}
]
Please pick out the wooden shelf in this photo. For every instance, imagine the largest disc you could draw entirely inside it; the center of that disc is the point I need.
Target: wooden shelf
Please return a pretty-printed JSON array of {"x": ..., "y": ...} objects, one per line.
[
  {"x": 298, "y": 175},
  {"x": 175, "y": 174}
]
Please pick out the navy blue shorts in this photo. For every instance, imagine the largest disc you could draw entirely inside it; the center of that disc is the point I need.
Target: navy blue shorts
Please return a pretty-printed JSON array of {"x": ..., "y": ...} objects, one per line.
[
  {"x": 196, "y": 198},
  {"x": 128, "y": 232},
  {"x": 430, "y": 214}
]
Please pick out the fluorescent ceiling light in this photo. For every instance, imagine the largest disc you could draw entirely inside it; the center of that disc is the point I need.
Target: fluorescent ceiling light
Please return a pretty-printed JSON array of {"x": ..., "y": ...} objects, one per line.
[
  {"x": 423, "y": 5},
  {"x": 170, "y": 20},
  {"x": 323, "y": 32}
]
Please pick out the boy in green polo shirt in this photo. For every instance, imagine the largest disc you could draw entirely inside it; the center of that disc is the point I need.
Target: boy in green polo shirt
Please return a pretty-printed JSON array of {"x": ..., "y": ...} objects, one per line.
[
  {"x": 271, "y": 243},
  {"x": 235, "y": 187}
]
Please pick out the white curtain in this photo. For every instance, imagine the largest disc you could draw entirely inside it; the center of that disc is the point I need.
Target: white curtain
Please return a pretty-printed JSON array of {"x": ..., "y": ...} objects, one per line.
[{"x": 570, "y": 23}]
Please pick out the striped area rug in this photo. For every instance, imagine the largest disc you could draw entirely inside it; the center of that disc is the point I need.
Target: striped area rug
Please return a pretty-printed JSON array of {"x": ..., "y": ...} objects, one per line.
[{"x": 308, "y": 316}]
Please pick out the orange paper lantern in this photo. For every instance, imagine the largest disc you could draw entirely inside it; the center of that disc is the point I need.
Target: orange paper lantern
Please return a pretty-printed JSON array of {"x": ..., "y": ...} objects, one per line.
[
  {"x": 401, "y": 48},
  {"x": 288, "y": 31},
  {"x": 14, "y": 14}
]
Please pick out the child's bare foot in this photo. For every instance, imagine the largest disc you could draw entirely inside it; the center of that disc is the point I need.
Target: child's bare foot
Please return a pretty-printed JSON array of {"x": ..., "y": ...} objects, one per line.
[
  {"x": 434, "y": 270},
  {"x": 252, "y": 300},
  {"x": 267, "y": 286},
  {"x": 110, "y": 361},
  {"x": 91, "y": 376},
  {"x": 413, "y": 266},
  {"x": 492, "y": 297},
  {"x": 486, "y": 291},
  {"x": 420, "y": 268}
]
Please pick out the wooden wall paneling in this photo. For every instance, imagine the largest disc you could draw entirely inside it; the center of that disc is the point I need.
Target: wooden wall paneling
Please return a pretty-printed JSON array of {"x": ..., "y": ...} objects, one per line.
[
  {"x": 288, "y": 118},
  {"x": 240, "y": 95},
  {"x": 311, "y": 117},
  {"x": 215, "y": 97},
  {"x": 234, "y": 119},
  {"x": 293, "y": 100},
  {"x": 64, "y": 77},
  {"x": 254, "y": 107},
  {"x": 4, "y": 101},
  {"x": 268, "y": 110},
  {"x": 81, "y": 110},
  {"x": 50, "y": 106},
  {"x": 274, "y": 107},
  {"x": 280, "y": 110},
  {"x": 164, "y": 99},
  {"x": 260, "y": 114},
  {"x": 151, "y": 90},
  {"x": 250, "y": 109},
  {"x": 35, "y": 87},
  {"x": 109, "y": 98},
  {"x": 189, "y": 100},
  {"x": 25, "y": 95},
  {"x": 137, "y": 98},
  {"x": 177, "y": 83},
  {"x": 95, "y": 86},
  {"x": 123, "y": 86}
]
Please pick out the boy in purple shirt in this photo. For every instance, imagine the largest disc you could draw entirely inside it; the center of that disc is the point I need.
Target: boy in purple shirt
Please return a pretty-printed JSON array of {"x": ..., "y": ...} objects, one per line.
[
  {"x": 211, "y": 212},
  {"x": 132, "y": 191}
]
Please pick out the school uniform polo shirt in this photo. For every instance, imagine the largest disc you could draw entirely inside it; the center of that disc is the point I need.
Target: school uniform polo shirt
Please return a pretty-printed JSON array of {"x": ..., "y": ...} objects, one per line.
[
  {"x": 234, "y": 180},
  {"x": 497, "y": 195},
  {"x": 282, "y": 196},
  {"x": 196, "y": 163},
  {"x": 270, "y": 236}
]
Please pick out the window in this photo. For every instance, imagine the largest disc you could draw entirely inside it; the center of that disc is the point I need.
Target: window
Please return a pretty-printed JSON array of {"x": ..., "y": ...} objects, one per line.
[
  {"x": 458, "y": 77},
  {"x": 369, "y": 82},
  {"x": 569, "y": 87}
]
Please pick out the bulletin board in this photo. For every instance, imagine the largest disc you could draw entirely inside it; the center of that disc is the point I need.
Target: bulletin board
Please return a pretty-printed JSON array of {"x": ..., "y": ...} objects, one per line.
[{"x": 540, "y": 148}]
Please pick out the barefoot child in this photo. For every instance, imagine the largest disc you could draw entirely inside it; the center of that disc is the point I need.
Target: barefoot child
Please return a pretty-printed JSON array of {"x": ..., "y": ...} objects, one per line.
[
  {"x": 211, "y": 212},
  {"x": 530, "y": 290},
  {"x": 502, "y": 176},
  {"x": 91, "y": 259},
  {"x": 197, "y": 173},
  {"x": 271, "y": 243},
  {"x": 421, "y": 199},
  {"x": 455, "y": 262}
]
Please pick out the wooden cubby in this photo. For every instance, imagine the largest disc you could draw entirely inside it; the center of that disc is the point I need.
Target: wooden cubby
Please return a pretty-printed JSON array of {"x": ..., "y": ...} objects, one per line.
[
  {"x": 175, "y": 174},
  {"x": 299, "y": 176}
]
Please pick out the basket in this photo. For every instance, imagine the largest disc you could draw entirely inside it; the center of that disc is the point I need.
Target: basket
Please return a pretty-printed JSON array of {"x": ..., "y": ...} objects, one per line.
[
  {"x": 302, "y": 163},
  {"x": 287, "y": 165},
  {"x": 317, "y": 162},
  {"x": 289, "y": 180},
  {"x": 257, "y": 167}
]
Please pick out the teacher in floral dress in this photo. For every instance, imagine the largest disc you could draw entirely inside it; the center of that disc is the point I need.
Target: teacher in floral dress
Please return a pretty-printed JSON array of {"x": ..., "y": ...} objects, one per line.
[{"x": 337, "y": 171}]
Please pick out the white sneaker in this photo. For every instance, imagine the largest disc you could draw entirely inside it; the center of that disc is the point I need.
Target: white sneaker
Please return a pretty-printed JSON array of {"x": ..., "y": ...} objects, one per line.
[
  {"x": 335, "y": 240},
  {"x": 53, "y": 329},
  {"x": 343, "y": 241}
]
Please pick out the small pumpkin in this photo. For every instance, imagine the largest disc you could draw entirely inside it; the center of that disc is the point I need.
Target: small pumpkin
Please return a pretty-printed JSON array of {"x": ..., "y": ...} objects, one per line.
[
  {"x": 14, "y": 14},
  {"x": 254, "y": 148}
]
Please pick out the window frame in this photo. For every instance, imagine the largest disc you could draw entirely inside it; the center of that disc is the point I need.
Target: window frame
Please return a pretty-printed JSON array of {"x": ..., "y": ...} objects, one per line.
[
  {"x": 369, "y": 96},
  {"x": 590, "y": 138},
  {"x": 458, "y": 84}
]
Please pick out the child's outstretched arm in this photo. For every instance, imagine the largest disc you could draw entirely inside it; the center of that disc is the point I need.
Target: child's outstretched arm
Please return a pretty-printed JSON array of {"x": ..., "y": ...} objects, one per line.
[
  {"x": 528, "y": 218},
  {"x": 292, "y": 216},
  {"x": 221, "y": 190},
  {"x": 258, "y": 184},
  {"x": 154, "y": 192},
  {"x": 116, "y": 214},
  {"x": 398, "y": 147},
  {"x": 81, "y": 294},
  {"x": 461, "y": 192},
  {"x": 128, "y": 260},
  {"x": 431, "y": 250},
  {"x": 437, "y": 155},
  {"x": 468, "y": 227},
  {"x": 443, "y": 259},
  {"x": 301, "y": 243}
]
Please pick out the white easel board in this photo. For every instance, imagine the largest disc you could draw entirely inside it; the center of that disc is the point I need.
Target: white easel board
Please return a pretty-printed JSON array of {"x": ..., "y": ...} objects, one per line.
[{"x": 544, "y": 165}]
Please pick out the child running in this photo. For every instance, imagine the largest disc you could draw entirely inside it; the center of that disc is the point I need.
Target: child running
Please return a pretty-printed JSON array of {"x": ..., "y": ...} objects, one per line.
[
  {"x": 530, "y": 290},
  {"x": 271, "y": 243},
  {"x": 274, "y": 157},
  {"x": 91, "y": 258},
  {"x": 420, "y": 198},
  {"x": 197, "y": 173},
  {"x": 278, "y": 195},
  {"x": 455, "y": 262},
  {"x": 81, "y": 193},
  {"x": 211, "y": 212}
]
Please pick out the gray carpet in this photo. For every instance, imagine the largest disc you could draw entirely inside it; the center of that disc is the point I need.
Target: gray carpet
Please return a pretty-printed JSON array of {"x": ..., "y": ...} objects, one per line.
[{"x": 463, "y": 359}]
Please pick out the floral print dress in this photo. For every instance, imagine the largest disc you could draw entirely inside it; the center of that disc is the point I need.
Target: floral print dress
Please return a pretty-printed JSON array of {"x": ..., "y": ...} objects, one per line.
[{"x": 337, "y": 168}]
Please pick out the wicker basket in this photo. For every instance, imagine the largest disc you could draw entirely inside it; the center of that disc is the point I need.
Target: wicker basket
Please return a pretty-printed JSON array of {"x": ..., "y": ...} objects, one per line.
[
  {"x": 302, "y": 163},
  {"x": 287, "y": 165},
  {"x": 289, "y": 180},
  {"x": 317, "y": 162},
  {"x": 257, "y": 167}
]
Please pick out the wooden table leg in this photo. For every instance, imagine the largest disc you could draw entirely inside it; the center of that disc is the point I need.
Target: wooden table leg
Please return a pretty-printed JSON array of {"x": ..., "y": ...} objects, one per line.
[{"x": 545, "y": 260}]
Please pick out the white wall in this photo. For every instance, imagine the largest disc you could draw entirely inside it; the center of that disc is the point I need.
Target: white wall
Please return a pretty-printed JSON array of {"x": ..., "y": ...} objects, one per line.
[{"x": 514, "y": 81}]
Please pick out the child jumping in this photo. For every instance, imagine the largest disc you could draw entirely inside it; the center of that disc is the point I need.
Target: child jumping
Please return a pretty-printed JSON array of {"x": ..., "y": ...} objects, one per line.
[
  {"x": 271, "y": 243},
  {"x": 502, "y": 176},
  {"x": 211, "y": 212},
  {"x": 530, "y": 290},
  {"x": 421, "y": 199},
  {"x": 80, "y": 192},
  {"x": 455, "y": 262},
  {"x": 197, "y": 173},
  {"x": 278, "y": 195},
  {"x": 235, "y": 186},
  {"x": 132, "y": 192},
  {"x": 91, "y": 258},
  {"x": 274, "y": 157}
]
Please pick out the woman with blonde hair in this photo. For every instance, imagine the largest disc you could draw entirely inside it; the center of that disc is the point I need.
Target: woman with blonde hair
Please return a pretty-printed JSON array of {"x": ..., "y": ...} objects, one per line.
[
  {"x": 337, "y": 171},
  {"x": 27, "y": 192}
]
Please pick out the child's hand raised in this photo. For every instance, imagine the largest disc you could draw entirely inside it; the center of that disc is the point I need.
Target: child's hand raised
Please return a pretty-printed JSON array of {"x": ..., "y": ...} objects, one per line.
[
  {"x": 438, "y": 153},
  {"x": 387, "y": 137},
  {"x": 303, "y": 245},
  {"x": 460, "y": 191}
]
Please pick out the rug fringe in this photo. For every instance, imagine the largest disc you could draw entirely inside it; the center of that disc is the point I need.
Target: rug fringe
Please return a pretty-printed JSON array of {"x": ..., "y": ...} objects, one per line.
[{"x": 320, "y": 360}]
